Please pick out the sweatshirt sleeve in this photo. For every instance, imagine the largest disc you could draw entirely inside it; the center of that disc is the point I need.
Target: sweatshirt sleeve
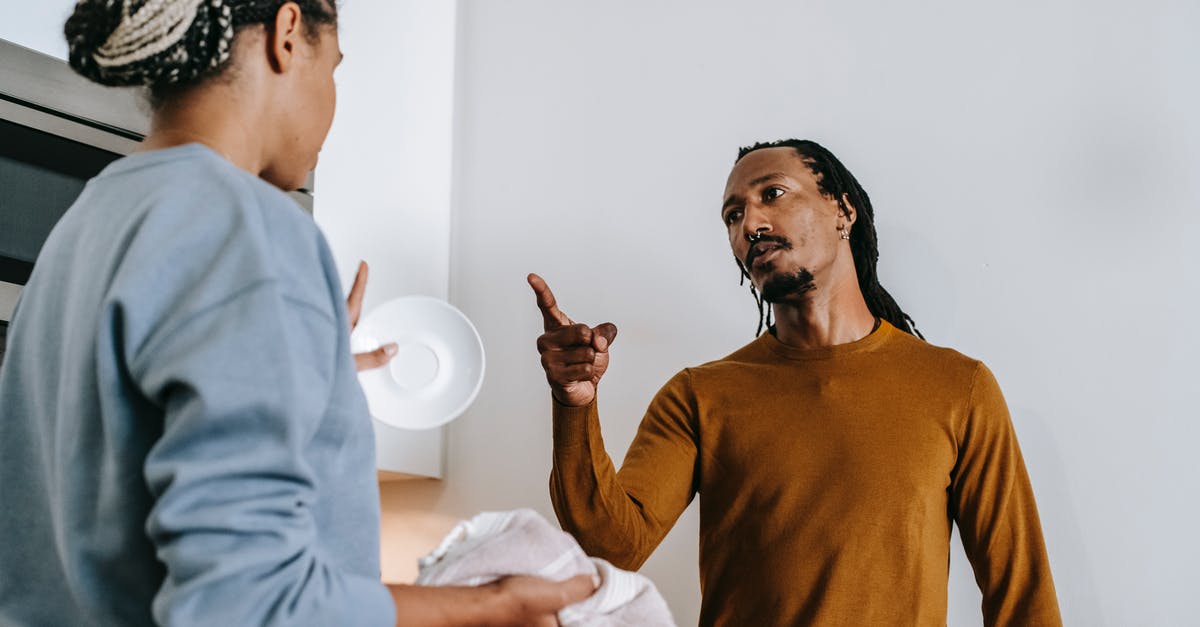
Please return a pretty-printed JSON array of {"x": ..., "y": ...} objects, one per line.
[
  {"x": 621, "y": 516},
  {"x": 244, "y": 384},
  {"x": 992, "y": 502}
]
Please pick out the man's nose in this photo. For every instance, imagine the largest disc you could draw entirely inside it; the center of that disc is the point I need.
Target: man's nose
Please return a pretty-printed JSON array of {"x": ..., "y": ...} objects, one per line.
[{"x": 755, "y": 223}]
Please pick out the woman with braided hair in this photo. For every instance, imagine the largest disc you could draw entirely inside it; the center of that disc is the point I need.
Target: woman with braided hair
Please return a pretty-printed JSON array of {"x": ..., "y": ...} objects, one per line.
[{"x": 183, "y": 439}]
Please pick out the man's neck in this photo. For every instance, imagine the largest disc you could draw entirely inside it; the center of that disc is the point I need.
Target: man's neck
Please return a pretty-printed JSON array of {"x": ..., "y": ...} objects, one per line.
[{"x": 820, "y": 319}]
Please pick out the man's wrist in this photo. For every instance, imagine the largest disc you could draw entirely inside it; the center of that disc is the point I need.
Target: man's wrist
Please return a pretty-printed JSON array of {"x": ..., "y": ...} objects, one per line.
[{"x": 570, "y": 424}]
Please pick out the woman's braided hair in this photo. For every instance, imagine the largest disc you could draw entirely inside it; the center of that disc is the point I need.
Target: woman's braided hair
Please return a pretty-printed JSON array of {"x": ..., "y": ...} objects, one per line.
[
  {"x": 167, "y": 45},
  {"x": 836, "y": 182}
]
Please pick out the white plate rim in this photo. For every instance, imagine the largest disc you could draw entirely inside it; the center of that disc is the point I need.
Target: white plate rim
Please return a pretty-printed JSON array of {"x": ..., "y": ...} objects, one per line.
[{"x": 462, "y": 317}]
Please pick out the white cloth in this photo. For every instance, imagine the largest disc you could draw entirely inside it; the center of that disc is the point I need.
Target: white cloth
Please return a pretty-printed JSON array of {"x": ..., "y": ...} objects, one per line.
[{"x": 493, "y": 545}]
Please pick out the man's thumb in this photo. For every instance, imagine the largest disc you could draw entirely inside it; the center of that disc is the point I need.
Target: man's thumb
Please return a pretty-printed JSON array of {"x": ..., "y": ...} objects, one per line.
[{"x": 603, "y": 336}]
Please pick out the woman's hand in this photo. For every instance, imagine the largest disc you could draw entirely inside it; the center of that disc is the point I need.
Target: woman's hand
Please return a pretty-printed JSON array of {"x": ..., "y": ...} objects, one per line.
[{"x": 383, "y": 354}]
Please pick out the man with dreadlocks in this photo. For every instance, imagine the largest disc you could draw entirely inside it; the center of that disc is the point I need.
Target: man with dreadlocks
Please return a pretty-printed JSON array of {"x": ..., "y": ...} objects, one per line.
[{"x": 832, "y": 453}]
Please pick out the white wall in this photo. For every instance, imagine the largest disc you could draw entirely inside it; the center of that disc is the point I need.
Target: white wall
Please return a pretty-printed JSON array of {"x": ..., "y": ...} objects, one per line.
[
  {"x": 384, "y": 179},
  {"x": 1033, "y": 168},
  {"x": 383, "y": 184},
  {"x": 36, "y": 25}
]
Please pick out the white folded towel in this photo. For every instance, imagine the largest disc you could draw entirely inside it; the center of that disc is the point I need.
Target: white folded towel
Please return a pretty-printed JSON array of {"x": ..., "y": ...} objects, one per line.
[{"x": 493, "y": 545}]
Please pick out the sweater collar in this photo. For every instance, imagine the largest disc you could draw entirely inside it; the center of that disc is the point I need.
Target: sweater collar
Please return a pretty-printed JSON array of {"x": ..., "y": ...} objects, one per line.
[{"x": 871, "y": 341}]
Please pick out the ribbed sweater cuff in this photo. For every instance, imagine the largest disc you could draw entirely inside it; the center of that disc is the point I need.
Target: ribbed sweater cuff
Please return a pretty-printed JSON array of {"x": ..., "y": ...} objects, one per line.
[{"x": 571, "y": 424}]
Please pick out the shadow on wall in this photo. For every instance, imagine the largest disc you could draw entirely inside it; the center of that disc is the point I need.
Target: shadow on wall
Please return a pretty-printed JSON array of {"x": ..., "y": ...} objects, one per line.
[{"x": 1069, "y": 562}]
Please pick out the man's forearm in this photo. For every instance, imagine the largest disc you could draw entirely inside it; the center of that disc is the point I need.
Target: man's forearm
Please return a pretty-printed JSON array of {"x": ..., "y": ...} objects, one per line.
[{"x": 589, "y": 500}]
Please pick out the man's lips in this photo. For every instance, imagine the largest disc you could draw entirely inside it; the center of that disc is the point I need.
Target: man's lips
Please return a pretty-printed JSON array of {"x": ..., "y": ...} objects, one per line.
[{"x": 762, "y": 251}]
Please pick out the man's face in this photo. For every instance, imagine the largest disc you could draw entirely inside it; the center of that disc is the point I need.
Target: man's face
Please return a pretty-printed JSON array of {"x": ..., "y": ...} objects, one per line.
[{"x": 774, "y": 196}]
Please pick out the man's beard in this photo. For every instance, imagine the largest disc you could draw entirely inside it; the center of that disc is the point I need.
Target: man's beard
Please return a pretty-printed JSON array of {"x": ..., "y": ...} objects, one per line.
[{"x": 782, "y": 287}]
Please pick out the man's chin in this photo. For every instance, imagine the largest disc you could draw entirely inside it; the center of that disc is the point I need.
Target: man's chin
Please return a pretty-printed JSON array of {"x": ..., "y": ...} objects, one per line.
[{"x": 787, "y": 286}]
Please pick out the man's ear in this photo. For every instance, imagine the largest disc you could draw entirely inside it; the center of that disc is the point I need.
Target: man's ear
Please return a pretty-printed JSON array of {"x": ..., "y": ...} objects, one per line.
[
  {"x": 849, "y": 212},
  {"x": 283, "y": 37}
]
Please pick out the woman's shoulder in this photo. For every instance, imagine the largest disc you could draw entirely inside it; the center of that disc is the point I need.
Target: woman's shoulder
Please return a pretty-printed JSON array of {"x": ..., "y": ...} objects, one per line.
[{"x": 193, "y": 218}]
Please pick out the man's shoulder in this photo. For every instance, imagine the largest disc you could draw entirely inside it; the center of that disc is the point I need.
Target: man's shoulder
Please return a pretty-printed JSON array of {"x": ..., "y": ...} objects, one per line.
[
  {"x": 940, "y": 367},
  {"x": 751, "y": 352},
  {"x": 923, "y": 351}
]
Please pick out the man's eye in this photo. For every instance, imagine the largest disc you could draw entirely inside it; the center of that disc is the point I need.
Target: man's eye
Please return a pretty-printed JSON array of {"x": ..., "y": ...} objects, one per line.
[
  {"x": 771, "y": 193},
  {"x": 733, "y": 216}
]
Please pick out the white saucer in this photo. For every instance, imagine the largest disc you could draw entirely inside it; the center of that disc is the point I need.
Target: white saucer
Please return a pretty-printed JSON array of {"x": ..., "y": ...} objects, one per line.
[{"x": 437, "y": 371}]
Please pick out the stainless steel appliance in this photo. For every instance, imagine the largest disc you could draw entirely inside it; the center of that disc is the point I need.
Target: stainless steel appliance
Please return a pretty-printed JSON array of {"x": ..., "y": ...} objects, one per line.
[{"x": 57, "y": 130}]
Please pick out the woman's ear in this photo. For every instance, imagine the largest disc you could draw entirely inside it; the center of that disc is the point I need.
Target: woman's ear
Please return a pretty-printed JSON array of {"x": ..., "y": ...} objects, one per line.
[{"x": 283, "y": 37}]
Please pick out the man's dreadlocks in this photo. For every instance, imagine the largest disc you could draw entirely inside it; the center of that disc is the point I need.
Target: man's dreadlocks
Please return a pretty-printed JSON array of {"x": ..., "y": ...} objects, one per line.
[{"x": 836, "y": 182}]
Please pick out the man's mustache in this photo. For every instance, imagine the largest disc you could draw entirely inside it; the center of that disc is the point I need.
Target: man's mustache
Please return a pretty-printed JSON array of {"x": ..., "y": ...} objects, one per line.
[{"x": 755, "y": 249}]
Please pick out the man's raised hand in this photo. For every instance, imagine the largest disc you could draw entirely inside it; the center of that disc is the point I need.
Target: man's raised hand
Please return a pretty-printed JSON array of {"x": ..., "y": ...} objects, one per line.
[{"x": 574, "y": 356}]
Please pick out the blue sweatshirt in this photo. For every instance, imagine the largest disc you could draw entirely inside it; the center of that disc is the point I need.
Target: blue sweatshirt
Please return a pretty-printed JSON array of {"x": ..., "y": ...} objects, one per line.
[{"x": 183, "y": 439}]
